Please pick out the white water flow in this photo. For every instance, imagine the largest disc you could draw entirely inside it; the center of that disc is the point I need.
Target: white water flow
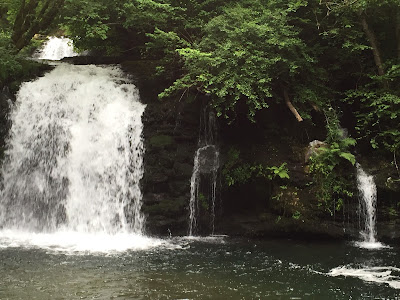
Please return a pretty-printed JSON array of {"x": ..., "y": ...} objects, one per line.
[
  {"x": 203, "y": 183},
  {"x": 74, "y": 161},
  {"x": 56, "y": 48},
  {"x": 367, "y": 189},
  {"x": 379, "y": 275},
  {"x": 194, "y": 193}
]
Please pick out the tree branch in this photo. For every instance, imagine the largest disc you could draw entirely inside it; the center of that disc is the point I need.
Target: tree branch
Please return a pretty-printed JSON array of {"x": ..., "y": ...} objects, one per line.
[
  {"x": 23, "y": 20},
  {"x": 290, "y": 105},
  {"x": 373, "y": 42},
  {"x": 29, "y": 22}
]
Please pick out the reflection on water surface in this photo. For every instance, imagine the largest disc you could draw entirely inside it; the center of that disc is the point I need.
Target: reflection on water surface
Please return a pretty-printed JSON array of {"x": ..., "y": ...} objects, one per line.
[{"x": 209, "y": 268}]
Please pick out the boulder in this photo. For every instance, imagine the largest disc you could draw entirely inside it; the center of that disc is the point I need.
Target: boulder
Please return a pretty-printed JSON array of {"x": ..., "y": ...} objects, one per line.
[
  {"x": 314, "y": 148},
  {"x": 208, "y": 159}
]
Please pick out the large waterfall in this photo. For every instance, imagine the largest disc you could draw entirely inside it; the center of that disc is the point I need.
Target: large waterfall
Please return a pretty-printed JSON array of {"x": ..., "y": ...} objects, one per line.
[{"x": 74, "y": 160}]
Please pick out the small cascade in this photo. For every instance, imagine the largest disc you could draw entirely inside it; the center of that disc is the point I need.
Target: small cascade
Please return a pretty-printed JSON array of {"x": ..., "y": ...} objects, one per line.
[
  {"x": 203, "y": 184},
  {"x": 56, "y": 48},
  {"x": 367, "y": 203}
]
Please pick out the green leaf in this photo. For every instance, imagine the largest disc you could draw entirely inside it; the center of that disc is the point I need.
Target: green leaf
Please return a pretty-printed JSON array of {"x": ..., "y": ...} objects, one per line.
[
  {"x": 283, "y": 174},
  {"x": 348, "y": 156}
]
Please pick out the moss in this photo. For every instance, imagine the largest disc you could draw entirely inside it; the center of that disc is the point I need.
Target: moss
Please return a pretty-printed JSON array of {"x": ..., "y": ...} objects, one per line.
[
  {"x": 161, "y": 141},
  {"x": 167, "y": 207}
]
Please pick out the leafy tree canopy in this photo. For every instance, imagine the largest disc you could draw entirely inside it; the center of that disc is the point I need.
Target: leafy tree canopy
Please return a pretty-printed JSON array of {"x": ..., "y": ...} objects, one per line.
[{"x": 250, "y": 52}]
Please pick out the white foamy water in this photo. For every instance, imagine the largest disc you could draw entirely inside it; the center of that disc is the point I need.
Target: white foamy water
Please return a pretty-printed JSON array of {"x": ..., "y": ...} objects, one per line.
[
  {"x": 210, "y": 238},
  {"x": 72, "y": 242},
  {"x": 380, "y": 275},
  {"x": 371, "y": 245},
  {"x": 56, "y": 48},
  {"x": 74, "y": 162},
  {"x": 368, "y": 196}
]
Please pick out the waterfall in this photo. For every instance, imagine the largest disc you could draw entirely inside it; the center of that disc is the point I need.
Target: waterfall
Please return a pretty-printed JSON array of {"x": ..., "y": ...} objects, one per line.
[
  {"x": 367, "y": 197},
  {"x": 74, "y": 160},
  {"x": 203, "y": 183},
  {"x": 56, "y": 48},
  {"x": 75, "y": 153}
]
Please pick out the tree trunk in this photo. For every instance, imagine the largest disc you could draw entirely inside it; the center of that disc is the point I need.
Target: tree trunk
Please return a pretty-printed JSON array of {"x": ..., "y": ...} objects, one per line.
[
  {"x": 374, "y": 44},
  {"x": 23, "y": 20},
  {"x": 290, "y": 105},
  {"x": 19, "y": 19},
  {"x": 28, "y": 22}
]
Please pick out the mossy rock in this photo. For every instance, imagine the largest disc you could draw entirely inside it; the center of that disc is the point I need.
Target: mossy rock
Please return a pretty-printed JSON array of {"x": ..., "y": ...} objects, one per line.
[
  {"x": 183, "y": 170},
  {"x": 179, "y": 187},
  {"x": 167, "y": 207},
  {"x": 160, "y": 225},
  {"x": 160, "y": 141}
]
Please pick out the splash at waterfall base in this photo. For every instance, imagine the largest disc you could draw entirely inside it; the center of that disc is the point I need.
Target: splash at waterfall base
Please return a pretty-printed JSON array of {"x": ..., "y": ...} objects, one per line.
[{"x": 170, "y": 135}]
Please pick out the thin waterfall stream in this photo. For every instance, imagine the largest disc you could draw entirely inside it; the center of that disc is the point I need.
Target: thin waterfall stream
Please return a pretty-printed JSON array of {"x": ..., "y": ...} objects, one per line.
[
  {"x": 368, "y": 196},
  {"x": 203, "y": 183}
]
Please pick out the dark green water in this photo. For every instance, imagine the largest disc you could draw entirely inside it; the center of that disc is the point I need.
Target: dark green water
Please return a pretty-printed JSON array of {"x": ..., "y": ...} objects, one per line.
[{"x": 212, "y": 269}]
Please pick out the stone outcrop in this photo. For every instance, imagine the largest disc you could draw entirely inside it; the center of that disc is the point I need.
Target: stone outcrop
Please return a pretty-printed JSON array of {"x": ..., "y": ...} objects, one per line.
[
  {"x": 170, "y": 143},
  {"x": 170, "y": 133}
]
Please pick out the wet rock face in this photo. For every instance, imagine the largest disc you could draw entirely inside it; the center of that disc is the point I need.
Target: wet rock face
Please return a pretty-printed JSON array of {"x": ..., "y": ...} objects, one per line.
[
  {"x": 171, "y": 137},
  {"x": 208, "y": 159},
  {"x": 170, "y": 133}
]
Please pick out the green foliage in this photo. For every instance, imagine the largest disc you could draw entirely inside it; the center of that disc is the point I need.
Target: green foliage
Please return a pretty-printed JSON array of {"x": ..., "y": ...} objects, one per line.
[
  {"x": 373, "y": 99},
  {"x": 281, "y": 171},
  {"x": 392, "y": 212},
  {"x": 235, "y": 172},
  {"x": 279, "y": 195},
  {"x": 247, "y": 53},
  {"x": 296, "y": 215},
  {"x": 378, "y": 117},
  {"x": 13, "y": 66},
  {"x": 326, "y": 165},
  {"x": 9, "y": 63},
  {"x": 112, "y": 27},
  {"x": 164, "y": 44}
]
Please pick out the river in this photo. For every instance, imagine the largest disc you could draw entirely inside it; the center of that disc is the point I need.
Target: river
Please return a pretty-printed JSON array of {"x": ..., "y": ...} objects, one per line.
[{"x": 207, "y": 268}]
